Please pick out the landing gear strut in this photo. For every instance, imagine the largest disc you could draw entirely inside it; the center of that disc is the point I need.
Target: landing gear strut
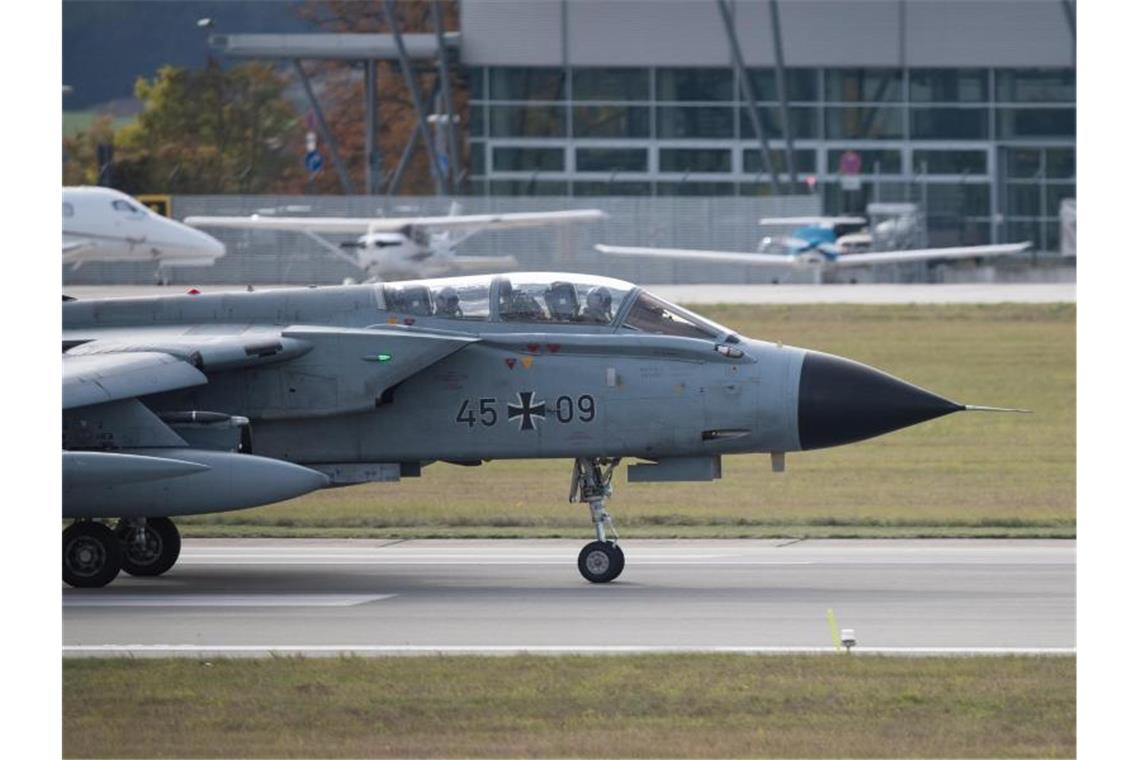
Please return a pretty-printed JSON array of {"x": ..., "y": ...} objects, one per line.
[
  {"x": 150, "y": 545},
  {"x": 92, "y": 555},
  {"x": 602, "y": 560}
]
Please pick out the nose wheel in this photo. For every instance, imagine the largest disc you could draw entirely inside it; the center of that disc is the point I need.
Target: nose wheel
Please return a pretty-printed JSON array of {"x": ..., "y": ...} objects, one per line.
[
  {"x": 150, "y": 546},
  {"x": 602, "y": 560}
]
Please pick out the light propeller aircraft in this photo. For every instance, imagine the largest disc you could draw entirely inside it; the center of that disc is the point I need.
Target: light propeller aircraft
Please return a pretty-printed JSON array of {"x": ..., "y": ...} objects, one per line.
[
  {"x": 191, "y": 404},
  {"x": 400, "y": 247},
  {"x": 101, "y": 224},
  {"x": 823, "y": 244}
]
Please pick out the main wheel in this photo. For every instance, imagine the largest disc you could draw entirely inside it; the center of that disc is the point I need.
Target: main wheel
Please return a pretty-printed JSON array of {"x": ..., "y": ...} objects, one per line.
[
  {"x": 92, "y": 555},
  {"x": 601, "y": 561},
  {"x": 158, "y": 551}
]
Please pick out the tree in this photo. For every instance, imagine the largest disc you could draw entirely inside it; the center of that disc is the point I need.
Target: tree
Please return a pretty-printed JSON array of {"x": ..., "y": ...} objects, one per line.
[
  {"x": 342, "y": 96},
  {"x": 206, "y": 131}
]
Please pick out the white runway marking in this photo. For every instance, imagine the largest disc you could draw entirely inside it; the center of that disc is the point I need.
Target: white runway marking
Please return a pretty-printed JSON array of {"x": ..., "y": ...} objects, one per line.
[
  {"x": 268, "y": 650},
  {"x": 221, "y": 600}
]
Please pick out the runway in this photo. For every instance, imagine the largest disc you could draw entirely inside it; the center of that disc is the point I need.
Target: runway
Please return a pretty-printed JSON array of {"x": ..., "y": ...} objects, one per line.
[
  {"x": 261, "y": 597},
  {"x": 749, "y": 294}
]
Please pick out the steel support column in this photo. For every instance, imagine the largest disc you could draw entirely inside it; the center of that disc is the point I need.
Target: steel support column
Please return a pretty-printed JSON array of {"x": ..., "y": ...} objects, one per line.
[
  {"x": 782, "y": 94},
  {"x": 372, "y": 170},
  {"x": 410, "y": 80},
  {"x": 448, "y": 104},
  {"x": 323, "y": 128},
  {"x": 405, "y": 157},
  {"x": 749, "y": 95}
]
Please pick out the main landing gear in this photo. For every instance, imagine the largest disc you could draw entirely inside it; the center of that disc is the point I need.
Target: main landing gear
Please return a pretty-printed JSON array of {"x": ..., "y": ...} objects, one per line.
[
  {"x": 93, "y": 554},
  {"x": 602, "y": 560}
]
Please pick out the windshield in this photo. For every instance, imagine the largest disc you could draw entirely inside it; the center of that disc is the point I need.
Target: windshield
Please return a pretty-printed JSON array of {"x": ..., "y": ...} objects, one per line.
[{"x": 652, "y": 315}]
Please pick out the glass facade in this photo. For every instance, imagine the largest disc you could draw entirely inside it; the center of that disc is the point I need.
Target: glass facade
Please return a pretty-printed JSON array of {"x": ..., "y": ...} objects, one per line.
[{"x": 989, "y": 152}]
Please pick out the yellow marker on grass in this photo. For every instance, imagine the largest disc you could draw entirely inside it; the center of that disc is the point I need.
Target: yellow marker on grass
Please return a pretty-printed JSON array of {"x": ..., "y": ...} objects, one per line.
[{"x": 834, "y": 630}]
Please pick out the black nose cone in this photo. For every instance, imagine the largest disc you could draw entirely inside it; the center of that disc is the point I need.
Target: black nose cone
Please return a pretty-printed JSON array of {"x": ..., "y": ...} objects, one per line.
[{"x": 843, "y": 401}]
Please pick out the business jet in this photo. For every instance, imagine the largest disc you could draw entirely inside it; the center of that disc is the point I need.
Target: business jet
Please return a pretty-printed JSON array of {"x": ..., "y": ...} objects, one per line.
[
  {"x": 400, "y": 247},
  {"x": 101, "y": 224}
]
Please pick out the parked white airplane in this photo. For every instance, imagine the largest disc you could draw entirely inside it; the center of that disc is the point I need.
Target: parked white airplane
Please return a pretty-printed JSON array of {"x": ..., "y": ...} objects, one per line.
[
  {"x": 101, "y": 224},
  {"x": 825, "y": 243},
  {"x": 390, "y": 248}
]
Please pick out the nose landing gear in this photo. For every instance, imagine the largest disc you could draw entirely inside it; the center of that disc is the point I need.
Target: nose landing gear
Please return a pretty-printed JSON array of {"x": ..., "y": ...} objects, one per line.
[{"x": 602, "y": 560}]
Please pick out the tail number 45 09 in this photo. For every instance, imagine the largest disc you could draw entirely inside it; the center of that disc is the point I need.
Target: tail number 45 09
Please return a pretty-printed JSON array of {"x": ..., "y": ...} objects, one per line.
[{"x": 485, "y": 411}]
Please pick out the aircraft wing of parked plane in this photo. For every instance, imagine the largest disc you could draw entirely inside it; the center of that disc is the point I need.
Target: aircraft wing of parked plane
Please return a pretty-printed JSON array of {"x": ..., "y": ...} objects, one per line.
[
  {"x": 816, "y": 257},
  {"x": 800, "y": 221},
  {"x": 364, "y": 225}
]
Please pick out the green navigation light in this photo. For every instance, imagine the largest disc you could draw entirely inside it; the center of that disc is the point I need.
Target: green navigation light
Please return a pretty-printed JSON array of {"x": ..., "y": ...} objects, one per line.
[{"x": 383, "y": 357}]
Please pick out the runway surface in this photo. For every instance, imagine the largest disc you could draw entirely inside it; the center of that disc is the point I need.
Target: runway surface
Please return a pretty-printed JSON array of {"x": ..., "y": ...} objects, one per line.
[
  {"x": 256, "y": 597},
  {"x": 751, "y": 294}
]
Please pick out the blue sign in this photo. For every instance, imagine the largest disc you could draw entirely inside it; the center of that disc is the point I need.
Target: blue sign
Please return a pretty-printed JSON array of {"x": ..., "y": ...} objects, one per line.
[{"x": 313, "y": 161}]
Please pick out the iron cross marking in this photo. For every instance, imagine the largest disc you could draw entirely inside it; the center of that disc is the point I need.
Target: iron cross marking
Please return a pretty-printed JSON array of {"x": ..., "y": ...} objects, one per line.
[{"x": 524, "y": 410}]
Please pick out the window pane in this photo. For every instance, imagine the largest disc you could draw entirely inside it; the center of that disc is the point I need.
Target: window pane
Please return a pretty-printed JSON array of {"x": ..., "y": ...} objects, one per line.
[
  {"x": 695, "y": 188},
  {"x": 889, "y": 161},
  {"x": 1060, "y": 163},
  {"x": 1018, "y": 230},
  {"x": 1037, "y": 122},
  {"x": 611, "y": 188},
  {"x": 801, "y": 84},
  {"x": 957, "y": 199},
  {"x": 949, "y": 85},
  {"x": 611, "y": 84},
  {"x": 528, "y": 121},
  {"x": 864, "y": 123},
  {"x": 949, "y": 123},
  {"x": 1023, "y": 199},
  {"x": 652, "y": 315},
  {"x": 694, "y": 84},
  {"x": 612, "y": 159},
  {"x": 694, "y": 121},
  {"x": 528, "y": 84},
  {"x": 527, "y": 187},
  {"x": 611, "y": 121},
  {"x": 478, "y": 158},
  {"x": 853, "y": 85},
  {"x": 1036, "y": 85},
  {"x": 805, "y": 161},
  {"x": 475, "y": 83},
  {"x": 1054, "y": 194},
  {"x": 695, "y": 160},
  {"x": 527, "y": 159},
  {"x": 475, "y": 120},
  {"x": 949, "y": 161},
  {"x": 1023, "y": 163},
  {"x": 805, "y": 123}
]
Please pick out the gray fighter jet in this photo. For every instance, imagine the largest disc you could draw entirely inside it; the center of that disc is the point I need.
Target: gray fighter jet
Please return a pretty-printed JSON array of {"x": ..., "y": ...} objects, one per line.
[{"x": 188, "y": 404}]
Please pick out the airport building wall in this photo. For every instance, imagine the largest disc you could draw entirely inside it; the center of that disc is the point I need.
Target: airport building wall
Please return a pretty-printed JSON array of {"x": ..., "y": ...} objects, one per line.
[{"x": 966, "y": 106}]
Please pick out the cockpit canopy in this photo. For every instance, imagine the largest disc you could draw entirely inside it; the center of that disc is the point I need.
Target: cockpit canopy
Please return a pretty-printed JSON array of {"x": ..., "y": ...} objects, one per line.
[{"x": 546, "y": 298}]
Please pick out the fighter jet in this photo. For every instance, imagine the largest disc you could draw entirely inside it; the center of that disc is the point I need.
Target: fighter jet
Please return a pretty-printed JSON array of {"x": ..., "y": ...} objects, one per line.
[
  {"x": 400, "y": 247},
  {"x": 190, "y": 404},
  {"x": 101, "y": 224}
]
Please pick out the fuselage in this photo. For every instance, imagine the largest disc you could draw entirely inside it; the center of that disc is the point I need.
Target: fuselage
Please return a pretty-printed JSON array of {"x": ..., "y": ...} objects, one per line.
[
  {"x": 644, "y": 378},
  {"x": 101, "y": 224}
]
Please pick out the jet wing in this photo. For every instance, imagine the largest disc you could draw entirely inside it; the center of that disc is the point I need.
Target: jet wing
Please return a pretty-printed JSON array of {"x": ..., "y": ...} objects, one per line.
[
  {"x": 927, "y": 254},
  {"x": 96, "y": 379},
  {"x": 364, "y": 225},
  {"x": 732, "y": 257}
]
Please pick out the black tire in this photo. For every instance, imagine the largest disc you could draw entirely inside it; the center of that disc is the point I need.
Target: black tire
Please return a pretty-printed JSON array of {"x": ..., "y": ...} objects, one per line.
[
  {"x": 92, "y": 555},
  {"x": 601, "y": 561},
  {"x": 160, "y": 552}
]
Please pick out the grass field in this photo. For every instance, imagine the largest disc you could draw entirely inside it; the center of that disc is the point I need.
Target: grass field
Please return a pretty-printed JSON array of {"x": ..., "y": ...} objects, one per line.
[
  {"x": 963, "y": 475},
  {"x": 526, "y": 706}
]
